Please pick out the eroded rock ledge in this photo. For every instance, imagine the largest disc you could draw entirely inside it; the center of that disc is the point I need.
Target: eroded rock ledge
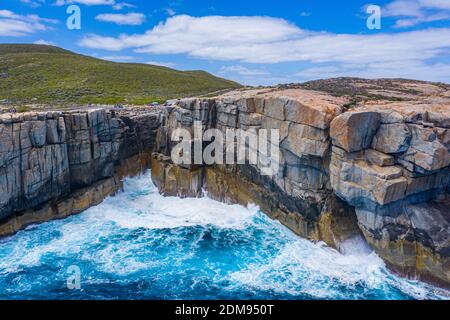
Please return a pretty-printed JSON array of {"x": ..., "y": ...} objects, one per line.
[{"x": 377, "y": 169}]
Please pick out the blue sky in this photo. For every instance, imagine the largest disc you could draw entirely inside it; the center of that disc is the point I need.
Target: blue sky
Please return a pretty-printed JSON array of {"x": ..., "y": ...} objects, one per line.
[{"x": 252, "y": 42}]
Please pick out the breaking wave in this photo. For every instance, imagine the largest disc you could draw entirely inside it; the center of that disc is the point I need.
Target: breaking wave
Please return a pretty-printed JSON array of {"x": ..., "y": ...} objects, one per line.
[{"x": 141, "y": 245}]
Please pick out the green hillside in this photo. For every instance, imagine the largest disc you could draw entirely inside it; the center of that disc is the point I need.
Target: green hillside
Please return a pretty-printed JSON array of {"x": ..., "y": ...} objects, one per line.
[{"x": 50, "y": 75}]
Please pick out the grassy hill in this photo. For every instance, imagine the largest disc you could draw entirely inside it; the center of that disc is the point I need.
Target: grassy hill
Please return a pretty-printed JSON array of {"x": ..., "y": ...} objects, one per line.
[{"x": 51, "y": 75}]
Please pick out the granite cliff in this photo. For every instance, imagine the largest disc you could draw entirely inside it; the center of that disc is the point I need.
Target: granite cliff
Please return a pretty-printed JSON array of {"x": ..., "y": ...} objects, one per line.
[
  {"x": 53, "y": 164},
  {"x": 373, "y": 164},
  {"x": 371, "y": 161}
]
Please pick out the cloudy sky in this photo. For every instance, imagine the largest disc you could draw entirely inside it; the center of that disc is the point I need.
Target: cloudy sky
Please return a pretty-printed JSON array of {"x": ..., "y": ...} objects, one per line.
[{"x": 252, "y": 42}]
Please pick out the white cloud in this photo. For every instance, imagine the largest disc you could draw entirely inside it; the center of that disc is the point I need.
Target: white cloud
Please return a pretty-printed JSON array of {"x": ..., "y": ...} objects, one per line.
[
  {"x": 436, "y": 4},
  {"x": 405, "y": 8},
  {"x": 171, "y": 12},
  {"x": 85, "y": 2},
  {"x": 15, "y": 25},
  {"x": 117, "y": 58},
  {"x": 33, "y": 3},
  {"x": 122, "y": 5},
  {"x": 162, "y": 64},
  {"x": 414, "y": 12},
  {"x": 249, "y": 76},
  {"x": 410, "y": 22},
  {"x": 243, "y": 71},
  {"x": 45, "y": 42},
  {"x": 264, "y": 40},
  {"x": 269, "y": 40},
  {"x": 115, "y": 5},
  {"x": 185, "y": 34},
  {"x": 15, "y": 28},
  {"x": 134, "y": 19},
  {"x": 105, "y": 43},
  {"x": 394, "y": 69}
]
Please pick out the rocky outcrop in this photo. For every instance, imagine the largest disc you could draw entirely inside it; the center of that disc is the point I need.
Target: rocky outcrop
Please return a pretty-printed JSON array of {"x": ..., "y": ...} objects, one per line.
[
  {"x": 67, "y": 161},
  {"x": 378, "y": 168},
  {"x": 398, "y": 183},
  {"x": 369, "y": 167},
  {"x": 34, "y": 161},
  {"x": 299, "y": 194},
  {"x": 354, "y": 131}
]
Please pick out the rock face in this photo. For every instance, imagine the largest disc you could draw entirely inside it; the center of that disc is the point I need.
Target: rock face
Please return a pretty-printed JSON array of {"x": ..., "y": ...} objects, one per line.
[
  {"x": 376, "y": 169},
  {"x": 299, "y": 193},
  {"x": 380, "y": 169},
  {"x": 34, "y": 161},
  {"x": 47, "y": 157},
  {"x": 354, "y": 131},
  {"x": 398, "y": 184}
]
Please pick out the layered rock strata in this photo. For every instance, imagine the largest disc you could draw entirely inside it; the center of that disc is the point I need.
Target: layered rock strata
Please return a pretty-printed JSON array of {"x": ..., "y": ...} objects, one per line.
[
  {"x": 378, "y": 168},
  {"x": 397, "y": 176},
  {"x": 371, "y": 168},
  {"x": 53, "y": 164},
  {"x": 299, "y": 194}
]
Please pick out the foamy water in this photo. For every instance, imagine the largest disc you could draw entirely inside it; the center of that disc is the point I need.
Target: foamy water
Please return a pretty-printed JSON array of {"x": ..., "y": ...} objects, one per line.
[{"x": 141, "y": 245}]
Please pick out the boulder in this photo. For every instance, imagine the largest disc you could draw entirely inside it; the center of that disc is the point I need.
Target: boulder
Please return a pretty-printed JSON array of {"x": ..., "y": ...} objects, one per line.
[
  {"x": 274, "y": 108},
  {"x": 426, "y": 149},
  {"x": 308, "y": 115},
  {"x": 354, "y": 131},
  {"x": 306, "y": 140},
  {"x": 392, "y": 138}
]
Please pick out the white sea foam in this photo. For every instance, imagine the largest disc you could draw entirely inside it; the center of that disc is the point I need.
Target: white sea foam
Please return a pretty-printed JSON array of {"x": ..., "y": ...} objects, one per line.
[
  {"x": 303, "y": 267},
  {"x": 140, "y": 206},
  {"x": 296, "y": 267},
  {"x": 356, "y": 245},
  {"x": 153, "y": 211}
]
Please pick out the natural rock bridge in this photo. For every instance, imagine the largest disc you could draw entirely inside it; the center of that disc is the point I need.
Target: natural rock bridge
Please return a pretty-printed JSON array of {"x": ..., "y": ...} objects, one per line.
[{"x": 378, "y": 169}]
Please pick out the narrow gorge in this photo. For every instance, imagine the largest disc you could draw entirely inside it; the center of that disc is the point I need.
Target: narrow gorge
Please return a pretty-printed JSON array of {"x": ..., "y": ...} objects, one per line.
[{"x": 376, "y": 167}]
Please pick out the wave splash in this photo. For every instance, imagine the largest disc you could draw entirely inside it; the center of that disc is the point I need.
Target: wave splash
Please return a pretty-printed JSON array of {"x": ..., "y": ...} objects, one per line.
[{"x": 141, "y": 245}]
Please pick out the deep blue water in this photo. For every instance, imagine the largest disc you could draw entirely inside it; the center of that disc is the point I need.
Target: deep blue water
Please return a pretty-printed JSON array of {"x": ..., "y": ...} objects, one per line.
[{"x": 140, "y": 245}]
